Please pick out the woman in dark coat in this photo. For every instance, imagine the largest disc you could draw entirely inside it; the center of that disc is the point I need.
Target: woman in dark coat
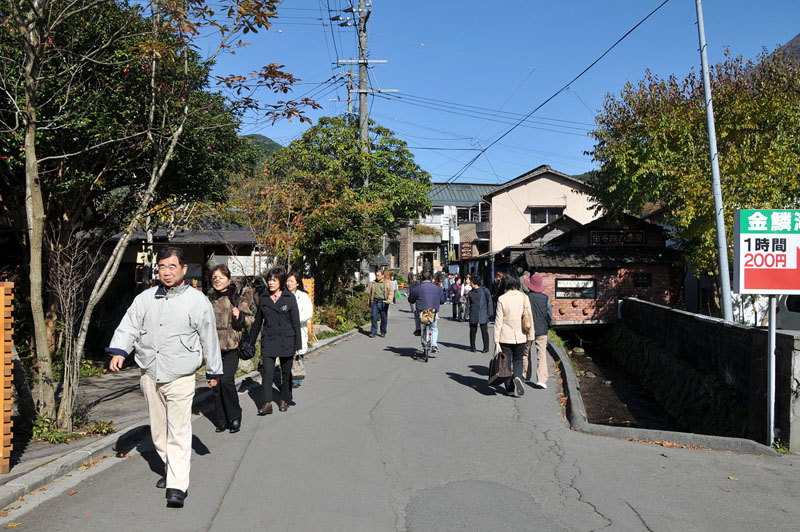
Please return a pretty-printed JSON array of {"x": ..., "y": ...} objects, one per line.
[
  {"x": 280, "y": 338},
  {"x": 233, "y": 314},
  {"x": 479, "y": 308}
]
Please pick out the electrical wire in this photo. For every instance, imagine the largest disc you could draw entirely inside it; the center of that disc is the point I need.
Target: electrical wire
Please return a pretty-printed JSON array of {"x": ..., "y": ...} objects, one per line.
[{"x": 559, "y": 91}]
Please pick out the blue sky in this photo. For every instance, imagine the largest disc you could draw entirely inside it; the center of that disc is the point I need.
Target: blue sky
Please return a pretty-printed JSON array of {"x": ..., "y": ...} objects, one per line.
[{"x": 466, "y": 71}]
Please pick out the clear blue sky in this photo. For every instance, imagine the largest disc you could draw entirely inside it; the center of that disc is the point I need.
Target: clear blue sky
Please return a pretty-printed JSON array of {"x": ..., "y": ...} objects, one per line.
[{"x": 467, "y": 70}]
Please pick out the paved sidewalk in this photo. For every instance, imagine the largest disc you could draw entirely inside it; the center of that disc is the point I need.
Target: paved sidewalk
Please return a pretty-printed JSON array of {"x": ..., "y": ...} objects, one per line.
[{"x": 113, "y": 397}]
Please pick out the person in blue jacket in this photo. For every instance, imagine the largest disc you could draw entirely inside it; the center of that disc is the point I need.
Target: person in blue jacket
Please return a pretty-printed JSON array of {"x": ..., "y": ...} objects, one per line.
[{"x": 428, "y": 295}]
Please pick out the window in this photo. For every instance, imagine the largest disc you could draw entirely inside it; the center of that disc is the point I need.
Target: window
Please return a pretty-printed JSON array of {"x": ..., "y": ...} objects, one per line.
[
  {"x": 545, "y": 215},
  {"x": 576, "y": 288}
]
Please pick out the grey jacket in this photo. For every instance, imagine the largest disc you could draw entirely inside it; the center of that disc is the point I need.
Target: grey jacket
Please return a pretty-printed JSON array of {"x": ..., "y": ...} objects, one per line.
[{"x": 170, "y": 332}]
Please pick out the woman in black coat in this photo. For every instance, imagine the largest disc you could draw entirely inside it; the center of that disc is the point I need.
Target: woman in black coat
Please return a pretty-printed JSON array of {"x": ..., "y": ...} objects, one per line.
[
  {"x": 280, "y": 338},
  {"x": 479, "y": 308}
]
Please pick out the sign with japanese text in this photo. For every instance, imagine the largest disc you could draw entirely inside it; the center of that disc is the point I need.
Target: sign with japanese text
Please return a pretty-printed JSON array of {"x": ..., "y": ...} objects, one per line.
[{"x": 767, "y": 251}]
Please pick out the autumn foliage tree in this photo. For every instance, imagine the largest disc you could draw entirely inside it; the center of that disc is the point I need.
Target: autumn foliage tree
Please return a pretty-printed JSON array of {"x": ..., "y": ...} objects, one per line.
[
  {"x": 343, "y": 218},
  {"x": 100, "y": 99},
  {"x": 652, "y": 147}
]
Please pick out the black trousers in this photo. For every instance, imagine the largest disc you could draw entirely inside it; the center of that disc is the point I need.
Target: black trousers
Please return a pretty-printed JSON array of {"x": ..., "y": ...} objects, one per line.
[
  {"x": 473, "y": 331},
  {"x": 515, "y": 353},
  {"x": 226, "y": 399},
  {"x": 456, "y": 309},
  {"x": 268, "y": 370}
]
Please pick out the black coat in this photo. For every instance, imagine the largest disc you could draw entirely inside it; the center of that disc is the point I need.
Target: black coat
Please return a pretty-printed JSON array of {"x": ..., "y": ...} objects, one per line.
[
  {"x": 280, "y": 335},
  {"x": 479, "y": 305}
]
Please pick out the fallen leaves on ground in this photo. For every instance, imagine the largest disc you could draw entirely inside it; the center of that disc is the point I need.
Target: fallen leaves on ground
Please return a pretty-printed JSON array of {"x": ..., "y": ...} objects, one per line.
[
  {"x": 13, "y": 525},
  {"x": 732, "y": 478},
  {"x": 4, "y": 513},
  {"x": 725, "y": 490},
  {"x": 671, "y": 444},
  {"x": 71, "y": 493}
]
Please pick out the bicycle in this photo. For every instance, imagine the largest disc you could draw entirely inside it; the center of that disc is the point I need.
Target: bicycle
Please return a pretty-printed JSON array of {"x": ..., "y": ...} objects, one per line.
[{"x": 426, "y": 318}]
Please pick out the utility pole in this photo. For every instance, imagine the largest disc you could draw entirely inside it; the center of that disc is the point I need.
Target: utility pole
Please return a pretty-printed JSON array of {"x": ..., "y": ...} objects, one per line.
[
  {"x": 350, "y": 94},
  {"x": 363, "y": 119},
  {"x": 722, "y": 243}
]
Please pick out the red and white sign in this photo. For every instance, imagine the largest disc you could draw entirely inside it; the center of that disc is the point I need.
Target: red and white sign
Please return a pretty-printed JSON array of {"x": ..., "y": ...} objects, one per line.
[{"x": 767, "y": 252}]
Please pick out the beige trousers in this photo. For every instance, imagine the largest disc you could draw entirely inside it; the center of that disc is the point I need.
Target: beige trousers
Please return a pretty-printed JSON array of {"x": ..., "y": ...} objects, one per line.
[
  {"x": 170, "y": 407},
  {"x": 541, "y": 357}
]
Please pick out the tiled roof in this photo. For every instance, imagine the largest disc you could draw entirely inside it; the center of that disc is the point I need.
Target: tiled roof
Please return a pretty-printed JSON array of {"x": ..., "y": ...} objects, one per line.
[
  {"x": 531, "y": 175},
  {"x": 228, "y": 235},
  {"x": 458, "y": 194},
  {"x": 541, "y": 258}
]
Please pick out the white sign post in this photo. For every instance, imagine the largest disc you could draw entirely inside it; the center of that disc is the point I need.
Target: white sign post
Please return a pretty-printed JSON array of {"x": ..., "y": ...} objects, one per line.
[{"x": 767, "y": 261}]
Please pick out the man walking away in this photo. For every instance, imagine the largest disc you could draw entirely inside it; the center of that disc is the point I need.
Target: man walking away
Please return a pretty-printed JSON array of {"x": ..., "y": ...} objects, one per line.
[
  {"x": 171, "y": 326},
  {"x": 428, "y": 295},
  {"x": 381, "y": 295},
  {"x": 542, "y": 318},
  {"x": 523, "y": 281},
  {"x": 479, "y": 308}
]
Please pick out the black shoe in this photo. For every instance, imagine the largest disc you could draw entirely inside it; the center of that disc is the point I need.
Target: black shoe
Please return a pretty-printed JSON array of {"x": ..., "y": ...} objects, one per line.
[
  {"x": 381, "y": 334},
  {"x": 485, "y": 351},
  {"x": 418, "y": 333},
  {"x": 175, "y": 498},
  {"x": 162, "y": 483},
  {"x": 472, "y": 349},
  {"x": 235, "y": 426},
  {"x": 220, "y": 428},
  {"x": 372, "y": 335}
]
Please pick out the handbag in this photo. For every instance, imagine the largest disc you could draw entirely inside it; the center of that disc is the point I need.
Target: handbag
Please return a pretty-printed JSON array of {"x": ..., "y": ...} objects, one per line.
[
  {"x": 427, "y": 315},
  {"x": 499, "y": 369},
  {"x": 527, "y": 316},
  {"x": 246, "y": 351},
  {"x": 298, "y": 369}
]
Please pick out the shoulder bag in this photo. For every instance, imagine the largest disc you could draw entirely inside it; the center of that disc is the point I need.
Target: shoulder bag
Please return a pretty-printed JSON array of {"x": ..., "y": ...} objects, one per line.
[{"x": 527, "y": 315}]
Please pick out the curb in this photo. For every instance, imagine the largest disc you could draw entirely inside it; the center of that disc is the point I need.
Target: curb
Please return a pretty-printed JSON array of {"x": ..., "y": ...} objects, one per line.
[
  {"x": 576, "y": 413},
  {"x": 122, "y": 441},
  {"x": 46, "y": 473}
]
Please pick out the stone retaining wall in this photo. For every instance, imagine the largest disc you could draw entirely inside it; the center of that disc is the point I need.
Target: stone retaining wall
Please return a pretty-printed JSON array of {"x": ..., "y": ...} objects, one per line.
[{"x": 717, "y": 371}]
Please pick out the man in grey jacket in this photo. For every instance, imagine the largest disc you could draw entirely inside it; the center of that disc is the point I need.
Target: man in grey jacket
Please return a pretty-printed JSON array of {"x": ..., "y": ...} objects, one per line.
[{"x": 171, "y": 327}]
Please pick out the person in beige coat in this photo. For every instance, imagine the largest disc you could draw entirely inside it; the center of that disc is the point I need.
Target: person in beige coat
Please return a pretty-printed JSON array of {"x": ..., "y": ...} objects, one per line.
[{"x": 508, "y": 334}]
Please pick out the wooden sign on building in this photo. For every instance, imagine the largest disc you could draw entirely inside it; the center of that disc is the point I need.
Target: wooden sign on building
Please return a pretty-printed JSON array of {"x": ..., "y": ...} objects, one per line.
[
  {"x": 6, "y": 377},
  {"x": 466, "y": 250}
]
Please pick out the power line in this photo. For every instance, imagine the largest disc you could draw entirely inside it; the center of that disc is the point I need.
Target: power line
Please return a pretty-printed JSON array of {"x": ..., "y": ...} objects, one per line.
[{"x": 559, "y": 91}]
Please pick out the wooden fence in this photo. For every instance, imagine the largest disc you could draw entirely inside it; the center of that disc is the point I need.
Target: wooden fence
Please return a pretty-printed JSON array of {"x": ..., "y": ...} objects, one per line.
[{"x": 6, "y": 379}]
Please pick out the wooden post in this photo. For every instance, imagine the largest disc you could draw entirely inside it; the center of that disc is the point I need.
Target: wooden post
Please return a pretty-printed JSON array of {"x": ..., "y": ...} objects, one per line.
[
  {"x": 308, "y": 285},
  {"x": 6, "y": 376}
]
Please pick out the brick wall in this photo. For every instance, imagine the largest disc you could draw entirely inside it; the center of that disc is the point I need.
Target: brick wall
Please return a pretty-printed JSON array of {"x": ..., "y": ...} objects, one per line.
[{"x": 611, "y": 286}]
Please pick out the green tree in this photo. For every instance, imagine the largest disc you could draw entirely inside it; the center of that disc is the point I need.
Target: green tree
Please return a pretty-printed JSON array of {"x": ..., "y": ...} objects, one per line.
[
  {"x": 101, "y": 99},
  {"x": 345, "y": 219},
  {"x": 652, "y": 147}
]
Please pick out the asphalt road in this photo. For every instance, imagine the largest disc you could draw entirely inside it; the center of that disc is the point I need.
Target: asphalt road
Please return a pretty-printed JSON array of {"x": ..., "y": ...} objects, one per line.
[{"x": 379, "y": 441}]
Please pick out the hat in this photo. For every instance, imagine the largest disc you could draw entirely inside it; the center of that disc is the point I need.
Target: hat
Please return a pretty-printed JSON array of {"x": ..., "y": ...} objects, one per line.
[
  {"x": 535, "y": 283},
  {"x": 526, "y": 273}
]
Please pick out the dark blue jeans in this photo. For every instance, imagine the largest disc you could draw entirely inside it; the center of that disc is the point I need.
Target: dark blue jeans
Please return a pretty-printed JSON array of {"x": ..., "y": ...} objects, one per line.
[{"x": 380, "y": 309}]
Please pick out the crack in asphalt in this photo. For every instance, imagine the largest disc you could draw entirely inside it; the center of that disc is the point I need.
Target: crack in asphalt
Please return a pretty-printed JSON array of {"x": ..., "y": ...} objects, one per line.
[
  {"x": 634, "y": 510},
  {"x": 572, "y": 472}
]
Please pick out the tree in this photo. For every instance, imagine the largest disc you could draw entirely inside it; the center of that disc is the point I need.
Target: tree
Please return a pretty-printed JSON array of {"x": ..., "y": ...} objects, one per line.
[
  {"x": 652, "y": 147},
  {"x": 346, "y": 219},
  {"x": 106, "y": 98}
]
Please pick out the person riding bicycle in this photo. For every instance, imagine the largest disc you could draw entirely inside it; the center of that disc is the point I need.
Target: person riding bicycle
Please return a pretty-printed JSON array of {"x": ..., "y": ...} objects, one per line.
[{"x": 427, "y": 295}]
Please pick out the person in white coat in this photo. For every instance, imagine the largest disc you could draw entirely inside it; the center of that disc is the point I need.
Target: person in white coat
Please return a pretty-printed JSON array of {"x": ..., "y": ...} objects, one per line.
[{"x": 295, "y": 285}]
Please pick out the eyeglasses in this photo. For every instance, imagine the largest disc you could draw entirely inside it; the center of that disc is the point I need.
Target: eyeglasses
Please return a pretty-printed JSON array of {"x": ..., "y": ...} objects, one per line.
[{"x": 170, "y": 267}]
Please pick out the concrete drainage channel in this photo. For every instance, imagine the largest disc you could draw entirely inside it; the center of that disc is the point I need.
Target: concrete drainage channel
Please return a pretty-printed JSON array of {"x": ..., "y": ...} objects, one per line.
[
  {"x": 576, "y": 413},
  {"x": 122, "y": 442}
]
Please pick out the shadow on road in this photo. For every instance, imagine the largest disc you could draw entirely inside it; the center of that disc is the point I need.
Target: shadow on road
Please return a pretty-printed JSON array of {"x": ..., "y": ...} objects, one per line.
[
  {"x": 476, "y": 383},
  {"x": 465, "y": 347},
  {"x": 412, "y": 352}
]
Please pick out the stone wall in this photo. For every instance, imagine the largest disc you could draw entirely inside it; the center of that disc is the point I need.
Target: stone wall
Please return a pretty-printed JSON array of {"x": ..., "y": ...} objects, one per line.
[{"x": 732, "y": 361}]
